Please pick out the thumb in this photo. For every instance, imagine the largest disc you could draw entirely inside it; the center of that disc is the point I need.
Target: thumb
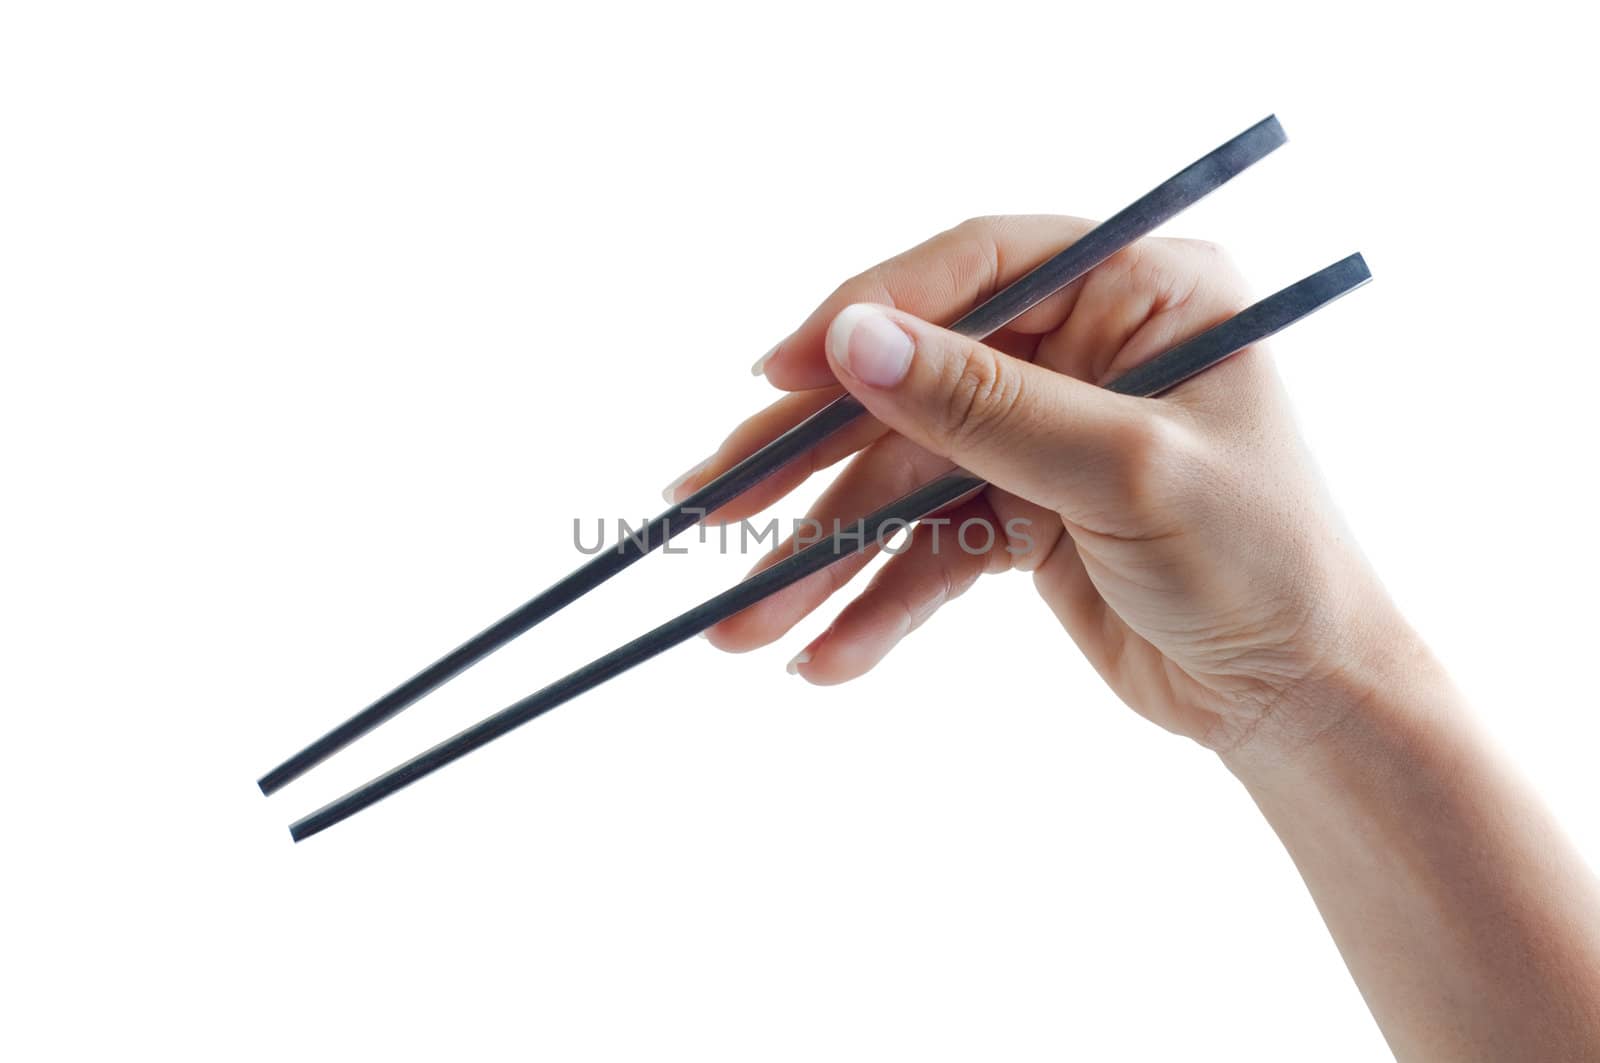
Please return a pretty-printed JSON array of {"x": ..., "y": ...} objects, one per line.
[{"x": 1047, "y": 437}]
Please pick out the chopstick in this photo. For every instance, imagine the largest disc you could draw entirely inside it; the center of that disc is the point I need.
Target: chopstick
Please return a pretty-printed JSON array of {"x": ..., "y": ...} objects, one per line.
[
  {"x": 1138, "y": 219},
  {"x": 1249, "y": 326}
]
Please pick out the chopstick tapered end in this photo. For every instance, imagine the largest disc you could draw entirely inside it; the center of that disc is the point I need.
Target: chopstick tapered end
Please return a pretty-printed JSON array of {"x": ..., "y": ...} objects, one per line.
[
  {"x": 275, "y": 780},
  {"x": 300, "y": 830}
]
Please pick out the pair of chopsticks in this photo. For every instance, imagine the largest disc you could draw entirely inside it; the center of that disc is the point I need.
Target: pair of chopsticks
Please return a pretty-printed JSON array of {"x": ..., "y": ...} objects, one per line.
[{"x": 1167, "y": 370}]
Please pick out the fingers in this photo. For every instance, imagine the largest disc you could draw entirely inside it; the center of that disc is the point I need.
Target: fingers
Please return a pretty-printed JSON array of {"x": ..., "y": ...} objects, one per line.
[
  {"x": 938, "y": 280},
  {"x": 1149, "y": 295},
  {"x": 767, "y": 425},
  {"x": 945, "y": 555},
  {"x": 884, "y": 471},
  {"x": 778, "y": 418},
  {"x": 1095, "y": 457},
  {"x": 1141, "y": 301},
  {"x": 760, "y": 430},
  {"x": 942, "y": 560}
]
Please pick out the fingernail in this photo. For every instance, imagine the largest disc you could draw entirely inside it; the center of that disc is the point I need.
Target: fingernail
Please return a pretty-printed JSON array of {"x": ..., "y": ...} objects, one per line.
[
  {"x": 760, "y": 367},
  {"x": 803, "y": 657},
  {"x": 874, "y": 349},
  {"x": 673, "y": 490}
]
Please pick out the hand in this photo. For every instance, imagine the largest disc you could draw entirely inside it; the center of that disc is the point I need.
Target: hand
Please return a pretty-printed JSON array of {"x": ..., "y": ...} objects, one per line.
[
  {"x": 1185, "y": 542},
  {"x": 1186, "y": 545}
]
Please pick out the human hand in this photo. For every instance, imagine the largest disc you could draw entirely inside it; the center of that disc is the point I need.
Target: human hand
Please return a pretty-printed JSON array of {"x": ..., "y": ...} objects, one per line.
[{"x": 1185, "y": 543}]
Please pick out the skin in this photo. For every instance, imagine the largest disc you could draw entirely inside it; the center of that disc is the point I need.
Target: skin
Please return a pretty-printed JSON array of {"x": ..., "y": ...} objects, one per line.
[{"x": 1190, "y": 551}]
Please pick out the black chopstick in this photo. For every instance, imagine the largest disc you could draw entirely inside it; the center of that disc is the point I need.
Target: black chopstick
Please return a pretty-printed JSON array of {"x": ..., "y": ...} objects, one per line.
[
  {"x": 1134, "y": 221},
  {"x": 1249, "y": 326}
]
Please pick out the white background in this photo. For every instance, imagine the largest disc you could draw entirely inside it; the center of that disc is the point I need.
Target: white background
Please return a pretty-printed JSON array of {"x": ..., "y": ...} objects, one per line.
[{"x": 321, "y": 321}]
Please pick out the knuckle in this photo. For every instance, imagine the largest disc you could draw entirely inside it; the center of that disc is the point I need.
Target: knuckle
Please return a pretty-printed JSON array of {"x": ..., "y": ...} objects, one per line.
[
  {"x": 869, "y": 286},
  {"x": 1191, "y": 274},
  {"x": 978, "y": 394},
  {"x": 858, "y": 289},
  {"x": 1156, "y": 459},
  {"x": 1215, "y": 267},
  {"x": 978, "y": 223},
  {"x": 1207, "y": 250}
]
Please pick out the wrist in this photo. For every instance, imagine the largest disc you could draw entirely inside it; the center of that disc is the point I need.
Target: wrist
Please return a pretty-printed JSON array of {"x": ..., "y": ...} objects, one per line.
[
  {"x": 1466, "y": 918},
  {"x": 1381, "y": 687}
]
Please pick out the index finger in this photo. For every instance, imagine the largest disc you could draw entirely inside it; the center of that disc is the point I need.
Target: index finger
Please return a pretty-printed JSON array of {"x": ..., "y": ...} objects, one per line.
[{"x": 938, "y": 280}]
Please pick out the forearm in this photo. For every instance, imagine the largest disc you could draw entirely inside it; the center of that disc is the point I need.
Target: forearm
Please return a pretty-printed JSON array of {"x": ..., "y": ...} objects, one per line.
[{"x": 1467, "y": 920}]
